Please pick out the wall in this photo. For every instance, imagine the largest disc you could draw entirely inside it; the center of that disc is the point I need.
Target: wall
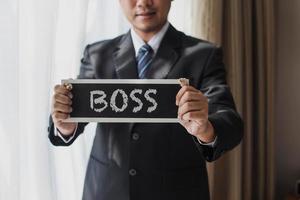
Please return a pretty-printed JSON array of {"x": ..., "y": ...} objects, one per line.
[{"x": 287, "y": 140}]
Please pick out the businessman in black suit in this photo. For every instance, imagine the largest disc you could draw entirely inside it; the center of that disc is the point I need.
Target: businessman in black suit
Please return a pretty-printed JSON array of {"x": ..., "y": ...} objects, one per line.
[{"x": 154, "y": 161}]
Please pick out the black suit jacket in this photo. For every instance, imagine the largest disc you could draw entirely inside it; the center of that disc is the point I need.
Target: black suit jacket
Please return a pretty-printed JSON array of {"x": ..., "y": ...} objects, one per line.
[{"x": 157, "y": 161}]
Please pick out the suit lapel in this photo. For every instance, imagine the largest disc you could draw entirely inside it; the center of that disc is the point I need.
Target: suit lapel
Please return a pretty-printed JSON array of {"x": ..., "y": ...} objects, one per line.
[
  {"x": 166, "y": 56},
  {"x": 124, "y": 58}
]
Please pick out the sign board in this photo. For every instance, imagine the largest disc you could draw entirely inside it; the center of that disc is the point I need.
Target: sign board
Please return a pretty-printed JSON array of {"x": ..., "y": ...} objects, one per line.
[{"x": 124, "y": 100}]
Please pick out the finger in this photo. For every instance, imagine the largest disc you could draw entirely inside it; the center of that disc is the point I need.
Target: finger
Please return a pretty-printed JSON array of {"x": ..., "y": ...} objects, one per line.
[
  {"x": 60, "y": 89},
  {"x": 63, "y": 99},
  {"x": 184, "y": 123},
  {"x": 58, "y": 116},
  {"x": 183, "y": 90},
  {"x": 191, "y": 106},
  {"x": 191, "y": 96},
  {"x": 58, "y": 107},
  {"x": 197, "y": 116}
]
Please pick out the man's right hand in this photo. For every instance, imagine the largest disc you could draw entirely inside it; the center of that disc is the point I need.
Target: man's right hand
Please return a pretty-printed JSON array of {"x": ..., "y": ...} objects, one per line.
[{"x": 61, "y": 109}]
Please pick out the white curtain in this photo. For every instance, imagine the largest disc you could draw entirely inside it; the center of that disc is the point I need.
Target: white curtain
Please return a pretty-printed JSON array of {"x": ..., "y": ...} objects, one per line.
[{"x": 41, "y": 43}]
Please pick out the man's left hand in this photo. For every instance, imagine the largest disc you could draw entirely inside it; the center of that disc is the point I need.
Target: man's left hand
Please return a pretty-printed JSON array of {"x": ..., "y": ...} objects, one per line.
[{"x": 193, "y": 113}]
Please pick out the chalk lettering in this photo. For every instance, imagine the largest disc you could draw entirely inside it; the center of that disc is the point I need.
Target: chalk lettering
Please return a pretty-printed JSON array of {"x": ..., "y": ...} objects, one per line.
[
  {"x": 98, "y": 100},
  {"x": 137, "y": 100},
  {"x": 150, "y": 99},
  {"x": 113, "y": 100}
]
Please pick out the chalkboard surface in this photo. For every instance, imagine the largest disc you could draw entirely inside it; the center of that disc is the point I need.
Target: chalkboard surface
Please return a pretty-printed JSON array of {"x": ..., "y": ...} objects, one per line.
[{"x": 124, "y": 100}]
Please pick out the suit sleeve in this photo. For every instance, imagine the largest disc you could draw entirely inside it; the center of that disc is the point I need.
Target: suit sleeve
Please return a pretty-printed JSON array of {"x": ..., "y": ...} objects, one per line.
[
  {"x": 227, "y": 123},
  {"x": 86, "y": 72}
]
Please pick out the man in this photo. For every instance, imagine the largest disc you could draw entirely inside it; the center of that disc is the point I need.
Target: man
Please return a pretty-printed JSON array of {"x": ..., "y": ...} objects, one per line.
[{"x": 154, "y": 161}]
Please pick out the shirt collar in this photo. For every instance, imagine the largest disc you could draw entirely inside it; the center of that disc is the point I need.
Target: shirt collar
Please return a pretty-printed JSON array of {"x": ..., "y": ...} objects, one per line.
[{"x": 154, "y": 42}]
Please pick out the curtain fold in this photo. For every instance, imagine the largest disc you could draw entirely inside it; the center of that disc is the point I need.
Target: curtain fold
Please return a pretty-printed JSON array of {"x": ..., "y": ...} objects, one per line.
[
  {"x": 245, "y": 30},
  {"x": 9, "y": 144}
]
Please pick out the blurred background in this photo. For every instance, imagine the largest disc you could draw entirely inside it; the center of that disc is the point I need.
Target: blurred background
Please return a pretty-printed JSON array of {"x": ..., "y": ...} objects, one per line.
[{"x": 42, "y": 42}]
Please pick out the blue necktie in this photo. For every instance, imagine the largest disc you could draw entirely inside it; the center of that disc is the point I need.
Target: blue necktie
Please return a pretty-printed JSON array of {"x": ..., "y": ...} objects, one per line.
[{"x": 144, "y": 58}]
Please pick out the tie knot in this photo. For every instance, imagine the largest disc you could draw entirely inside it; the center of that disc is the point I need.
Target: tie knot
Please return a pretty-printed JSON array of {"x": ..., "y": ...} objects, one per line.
[{"x": 145, "y": 48}]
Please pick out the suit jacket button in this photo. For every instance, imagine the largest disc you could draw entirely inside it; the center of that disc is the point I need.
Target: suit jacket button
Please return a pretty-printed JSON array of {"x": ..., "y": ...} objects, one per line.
[
  {"x": 132, "y": 172},
  {"x": 135, "y": 136}
]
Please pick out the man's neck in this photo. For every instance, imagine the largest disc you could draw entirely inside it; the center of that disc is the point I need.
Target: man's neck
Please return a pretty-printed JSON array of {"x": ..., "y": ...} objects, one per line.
[{"x": 146, "y": 36}]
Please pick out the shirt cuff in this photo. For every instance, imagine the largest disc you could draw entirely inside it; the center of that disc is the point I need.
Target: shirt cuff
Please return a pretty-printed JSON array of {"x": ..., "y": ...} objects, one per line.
[
  {"x": 64, "y": 138},
  {"x": 210, "y": 144}
]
